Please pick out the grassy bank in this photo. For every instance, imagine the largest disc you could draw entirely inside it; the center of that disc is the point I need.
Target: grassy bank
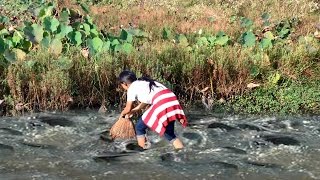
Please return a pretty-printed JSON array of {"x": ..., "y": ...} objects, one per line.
[{"x": 250, "y": 56}]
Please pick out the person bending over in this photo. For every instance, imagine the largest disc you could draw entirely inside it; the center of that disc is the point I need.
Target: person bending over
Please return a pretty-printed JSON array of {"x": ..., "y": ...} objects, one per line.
[{"x": 163, "y": 107}]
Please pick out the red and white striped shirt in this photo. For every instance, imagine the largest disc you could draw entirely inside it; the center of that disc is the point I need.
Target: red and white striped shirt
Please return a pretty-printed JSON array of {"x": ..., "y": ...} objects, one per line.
[{"x": 164, "y": 108}]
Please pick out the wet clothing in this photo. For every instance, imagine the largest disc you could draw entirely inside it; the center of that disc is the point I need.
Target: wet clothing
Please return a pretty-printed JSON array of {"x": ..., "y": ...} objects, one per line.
[
  {"x": 164, "y": 109},
  {"x": 164, "y": 106},
  {"x": 168, "y": 134}
]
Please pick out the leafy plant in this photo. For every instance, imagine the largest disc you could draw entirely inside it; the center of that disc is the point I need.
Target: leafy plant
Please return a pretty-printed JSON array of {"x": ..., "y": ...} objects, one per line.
[{"x": 248, "y": 39}]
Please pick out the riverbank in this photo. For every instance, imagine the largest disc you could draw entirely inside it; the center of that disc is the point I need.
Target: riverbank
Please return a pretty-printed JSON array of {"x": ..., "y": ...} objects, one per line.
[{"x": 221, "y": 54}]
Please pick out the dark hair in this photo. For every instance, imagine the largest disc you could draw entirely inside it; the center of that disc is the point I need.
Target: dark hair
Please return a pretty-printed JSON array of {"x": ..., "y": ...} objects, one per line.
[
  {"x": 151, "y": 81},
  {"x": 127, "y": 77}
]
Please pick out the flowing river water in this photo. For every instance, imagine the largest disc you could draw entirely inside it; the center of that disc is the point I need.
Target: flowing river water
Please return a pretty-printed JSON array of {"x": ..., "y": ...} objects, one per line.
[{"x": 76, "y": 145}]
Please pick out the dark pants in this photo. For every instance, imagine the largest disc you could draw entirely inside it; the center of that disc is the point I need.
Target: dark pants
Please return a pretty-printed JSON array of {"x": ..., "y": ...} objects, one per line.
[{"x": 141, "y": 128}]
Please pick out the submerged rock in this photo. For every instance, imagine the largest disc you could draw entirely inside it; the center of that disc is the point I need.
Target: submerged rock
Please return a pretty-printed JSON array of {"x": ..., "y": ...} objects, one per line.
[
  {"x": 167, "y": 157},
  {"x": 109, "y": 156},
  {"x": 278, "y": 139},
  {"x": 6, "y": 150},
  {"x": 105, "y": 136},
  {"x": 224, "y": 165},
  {"x": 37, "y": 145},
  {"x": 262, "y": 164},
  {"x": 11, "y": 131},
  {"x": 221, "y": 126},
  {"x": 133, "y": 147},
  {"x": 56, "y": 121},
  {"x": 250, "y": 127},
  {"x": 235, "y": 150}
]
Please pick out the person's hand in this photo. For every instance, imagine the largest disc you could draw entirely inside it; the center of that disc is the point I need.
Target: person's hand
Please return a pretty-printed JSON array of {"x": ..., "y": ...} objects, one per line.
[{"x": 127, "y": 116}]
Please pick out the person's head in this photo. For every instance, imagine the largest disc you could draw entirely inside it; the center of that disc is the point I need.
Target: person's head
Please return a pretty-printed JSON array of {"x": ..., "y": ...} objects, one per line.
[{"x": 126, "y": 77}]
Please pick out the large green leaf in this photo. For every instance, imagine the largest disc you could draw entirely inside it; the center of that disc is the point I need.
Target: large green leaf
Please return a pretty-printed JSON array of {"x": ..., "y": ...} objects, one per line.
[
  {"x": 284, "y": 33},
  {"x": 16, "y": 38},
  {"x": 95, "y": 45},
  {"x": 265, "y": 43},
  {"x": 46, "y": 41},
  {"x": 46, "y": 11},
  {"x": 34, "y": 33},
  {"x": 268, "y": 35},
  {"x": 51, "y": 24},
  {"x": 8, "y": 43},
  {"x": 86, "y": 28},
  {"x": 127, "y": 48},
  {"x": 89, "y": 20},
  {"x": 2, "y": 46},
  {"x": 94, "y": 33},
  {"x": 63, "y": 31},
  {"x": 115, "y": 42},
  {"x": 26, "y": 45},
  {"x": 137, "y": 33},
  {"x": 4, "y": 19},
  {"x": 211, "y": 40},
  {"x": 14, "y": 55},
  {"x": 248, "y": 39},
  {"x": 4, "y": 32},
  {"x": 75, "y": 37},
  {"x": 222, "y": 40},
  {"x": 202, "y": 41},
  {"x": 106, "y": 46},
  {"x": 124, "y": 48},
  {"x": 126, "y": 36},
  {"x": 64, "y": 16}
]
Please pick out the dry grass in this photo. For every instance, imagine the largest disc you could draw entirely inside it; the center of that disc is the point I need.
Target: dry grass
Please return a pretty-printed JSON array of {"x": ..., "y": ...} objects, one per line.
[
  {"x": 182, "y": 21},
  {"x": 184, "y": 17},
  {"x": 190, "y": 16}
]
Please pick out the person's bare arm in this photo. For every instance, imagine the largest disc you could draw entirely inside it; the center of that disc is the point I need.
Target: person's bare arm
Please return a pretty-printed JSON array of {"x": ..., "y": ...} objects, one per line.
[
  {"x": 127, "y": 109},
  {"x": 137, "y": 108}
]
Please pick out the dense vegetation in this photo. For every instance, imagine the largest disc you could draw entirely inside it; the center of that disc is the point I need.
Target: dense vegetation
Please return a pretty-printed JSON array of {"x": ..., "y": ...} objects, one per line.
[{"x": 249, "y": 56}]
